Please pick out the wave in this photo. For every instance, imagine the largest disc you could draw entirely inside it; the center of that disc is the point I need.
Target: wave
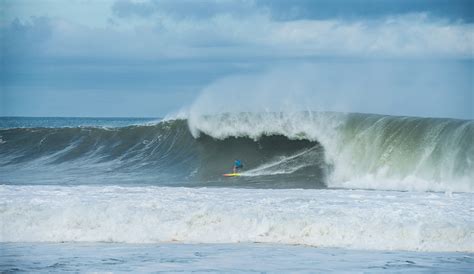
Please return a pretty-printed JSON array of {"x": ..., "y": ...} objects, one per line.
[
  {"x": 366, "y": 150},
  {"x": 325, "y": 218},
  {"x": 290, "y": 150},
  {"x": 131, "y": 153}
]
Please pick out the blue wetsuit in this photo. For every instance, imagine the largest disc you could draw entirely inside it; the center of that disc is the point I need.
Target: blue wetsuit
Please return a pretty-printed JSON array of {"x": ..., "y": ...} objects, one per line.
[{"x": 238, "y": 165}]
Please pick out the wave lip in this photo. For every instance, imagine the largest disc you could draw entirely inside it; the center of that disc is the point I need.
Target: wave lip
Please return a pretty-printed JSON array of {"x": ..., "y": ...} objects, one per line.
[{"x": 328, "y": 218}]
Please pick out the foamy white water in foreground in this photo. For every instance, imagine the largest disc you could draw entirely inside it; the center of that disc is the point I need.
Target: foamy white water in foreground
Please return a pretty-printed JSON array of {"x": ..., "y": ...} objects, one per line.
[{"x": 357, "y": 219}]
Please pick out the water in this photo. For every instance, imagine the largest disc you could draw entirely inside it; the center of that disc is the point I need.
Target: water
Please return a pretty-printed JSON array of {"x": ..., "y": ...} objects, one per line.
[
  {"x": 319, "y": 192},
  {"x": 55, "y": 122},
  {"x": 357, "y": 219},
  {"x": 242, "y": 257},
  {"x": 279, "y": 150}
]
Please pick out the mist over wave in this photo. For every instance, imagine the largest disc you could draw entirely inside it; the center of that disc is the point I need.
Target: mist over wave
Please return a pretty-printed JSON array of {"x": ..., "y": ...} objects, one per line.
[{"x": 289, "y": 150}]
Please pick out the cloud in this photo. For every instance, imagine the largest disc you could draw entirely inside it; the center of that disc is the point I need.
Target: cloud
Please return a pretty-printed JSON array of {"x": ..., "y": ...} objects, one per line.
[
  {"x": 225, "y": 29},
  {"x": 227, "y": 36},
  {"x": 199, "y": 41},
  {"x": 454, "y": 10},
  {"x": 26, "y": 38},
  {"x": 126, "y": 8},
  {"x": 182, "y": 9}
]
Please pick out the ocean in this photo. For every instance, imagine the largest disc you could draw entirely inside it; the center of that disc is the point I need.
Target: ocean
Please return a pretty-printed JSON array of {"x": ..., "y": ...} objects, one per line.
[{"x": 320, "y": 191}]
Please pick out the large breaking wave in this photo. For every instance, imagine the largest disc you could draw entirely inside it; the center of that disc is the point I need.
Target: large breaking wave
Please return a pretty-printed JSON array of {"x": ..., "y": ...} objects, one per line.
[{"x": 301, "y": 149}]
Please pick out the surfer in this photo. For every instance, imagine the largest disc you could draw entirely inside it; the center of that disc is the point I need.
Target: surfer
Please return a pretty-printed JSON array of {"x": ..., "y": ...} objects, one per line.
[{"x": 237, "y": 166}]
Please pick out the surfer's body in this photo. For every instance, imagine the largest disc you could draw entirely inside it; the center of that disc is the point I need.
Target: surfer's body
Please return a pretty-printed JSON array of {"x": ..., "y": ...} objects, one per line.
[{"x": 237, "y": 166}]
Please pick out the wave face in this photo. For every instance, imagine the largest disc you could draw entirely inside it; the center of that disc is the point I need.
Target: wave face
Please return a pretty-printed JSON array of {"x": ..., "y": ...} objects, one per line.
[
  {"x": 279, "y": 150},
  {"x": 142, "y": 153}
]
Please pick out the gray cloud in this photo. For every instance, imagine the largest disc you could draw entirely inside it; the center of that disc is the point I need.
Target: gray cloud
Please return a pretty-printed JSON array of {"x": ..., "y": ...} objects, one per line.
[
  {"x": 456, "y": 10},
  {"x": 453, "y": 10},
  {"x": 25, "y": 38},
  {"x": 126, "y": 8},
  {"x": 258, "y": 36},
  {"x": 182, "y": 9},
  {"x": 181, "y": 46},
  {"x": 224, "y": 29}
]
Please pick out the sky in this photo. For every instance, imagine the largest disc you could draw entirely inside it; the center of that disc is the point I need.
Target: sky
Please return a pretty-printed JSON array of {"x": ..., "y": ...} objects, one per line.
[{"x": 152, "y": 58}]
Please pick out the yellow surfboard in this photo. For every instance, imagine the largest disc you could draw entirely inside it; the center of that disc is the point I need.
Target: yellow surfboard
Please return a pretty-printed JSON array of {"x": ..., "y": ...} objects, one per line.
[{"x": 231, "y": 174}]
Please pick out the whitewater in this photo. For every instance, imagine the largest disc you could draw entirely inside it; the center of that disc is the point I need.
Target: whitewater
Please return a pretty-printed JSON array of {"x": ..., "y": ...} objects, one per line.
[
  {"x": 315, "y": 185},
  {"x": 323, "y": 218}
]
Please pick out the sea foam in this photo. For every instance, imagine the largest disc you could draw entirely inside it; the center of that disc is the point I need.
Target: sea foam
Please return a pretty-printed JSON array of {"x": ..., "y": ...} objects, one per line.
[{"x": 356, "y": 219}]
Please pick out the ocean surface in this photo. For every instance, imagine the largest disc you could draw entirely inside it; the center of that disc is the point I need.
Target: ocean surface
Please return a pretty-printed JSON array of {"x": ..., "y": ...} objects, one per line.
[{"x": 319, "y": 191}]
